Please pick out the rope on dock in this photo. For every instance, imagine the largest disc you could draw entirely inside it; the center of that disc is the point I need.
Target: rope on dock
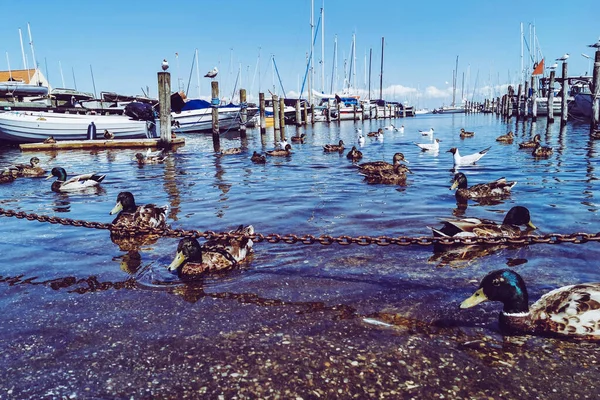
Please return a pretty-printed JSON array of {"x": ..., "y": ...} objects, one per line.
[{"x": 343, "y": 240}]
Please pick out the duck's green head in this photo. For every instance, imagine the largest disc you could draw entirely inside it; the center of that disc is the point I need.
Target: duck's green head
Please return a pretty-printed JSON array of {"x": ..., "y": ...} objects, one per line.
[
  {"x": 519, "y": 215},
  {"x": 505, "y": 286},
  {"x": 34, "y": 161},
  {"x": 188, "y": 250},
  {"x": 59, "y": 173},
  {"x": 125, "y": 202},
  {"x": 460, "y": 181}
]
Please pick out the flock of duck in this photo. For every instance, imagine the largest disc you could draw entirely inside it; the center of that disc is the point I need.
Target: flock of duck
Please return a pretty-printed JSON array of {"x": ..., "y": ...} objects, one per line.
[{"x": 570, "y": 311}]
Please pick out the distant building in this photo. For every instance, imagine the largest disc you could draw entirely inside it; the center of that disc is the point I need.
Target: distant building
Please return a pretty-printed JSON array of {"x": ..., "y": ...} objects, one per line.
[{"x": 27, "y": 76}]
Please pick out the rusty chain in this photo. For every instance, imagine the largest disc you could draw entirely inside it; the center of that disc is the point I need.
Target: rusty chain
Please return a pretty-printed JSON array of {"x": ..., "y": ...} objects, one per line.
[{"x": 344, "y": 240}]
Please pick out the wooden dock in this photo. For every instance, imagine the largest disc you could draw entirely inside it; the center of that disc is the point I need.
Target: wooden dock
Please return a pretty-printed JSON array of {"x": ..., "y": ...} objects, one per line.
[{"x": 98, "y": 144}]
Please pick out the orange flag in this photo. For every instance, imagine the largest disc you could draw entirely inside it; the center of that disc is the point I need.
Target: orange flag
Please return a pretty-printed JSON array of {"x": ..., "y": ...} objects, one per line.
[{"x": 538, "y": 69}]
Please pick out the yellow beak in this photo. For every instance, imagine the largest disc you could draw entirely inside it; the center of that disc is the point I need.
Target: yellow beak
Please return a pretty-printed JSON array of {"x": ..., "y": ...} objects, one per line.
[
  {"x": 531, "y": 225},
  {"x": 476, "y": 298},
  {"x": 176, "y": 263},
  {"x": 117, "y": 208},
  {"x": 454, "y": 185}
]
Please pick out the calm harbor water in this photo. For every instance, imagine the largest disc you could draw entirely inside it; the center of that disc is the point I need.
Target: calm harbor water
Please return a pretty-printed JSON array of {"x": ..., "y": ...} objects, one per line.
[{"x": 83, "y": 318}]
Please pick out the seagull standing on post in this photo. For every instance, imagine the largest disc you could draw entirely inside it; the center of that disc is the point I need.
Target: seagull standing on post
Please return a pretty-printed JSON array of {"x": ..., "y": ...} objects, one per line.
[
  {"x": 165, "y": 65},
  {"x": 563, "y": 58},
  {"x": 553, "y": 66},
  {"x": 212, "y": 73},
  {"x": 595, "y": 45}
]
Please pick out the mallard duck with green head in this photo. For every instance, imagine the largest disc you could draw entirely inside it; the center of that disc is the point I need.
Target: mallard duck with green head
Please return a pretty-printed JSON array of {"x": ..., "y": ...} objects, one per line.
[
  {"x": 131, "y": 215},
  {"x": 330, "y": 148},
  {"x": 374, "y": 166},
  {"x": 570, "y": 311},
  {"x": 473, "y": 227},
  {"x": 31, "y": 169},
  {"x": 497, "y": 189},
  {"x": 79, "y": 182},
  {"x": 193, "y": 260}
]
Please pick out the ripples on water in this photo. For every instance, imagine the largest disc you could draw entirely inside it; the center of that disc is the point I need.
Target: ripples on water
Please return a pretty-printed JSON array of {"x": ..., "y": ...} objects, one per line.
[{"x": 317, "y": 193}]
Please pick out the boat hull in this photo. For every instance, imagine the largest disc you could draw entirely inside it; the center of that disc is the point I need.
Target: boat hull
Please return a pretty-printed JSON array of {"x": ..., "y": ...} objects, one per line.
[
  {"x": 200, "y": 120},
  {"x": 32, "y": 127}
]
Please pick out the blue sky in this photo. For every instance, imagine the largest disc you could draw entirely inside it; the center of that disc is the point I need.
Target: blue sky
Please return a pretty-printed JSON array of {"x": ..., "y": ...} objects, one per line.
[{"x": 124, "y": 42}]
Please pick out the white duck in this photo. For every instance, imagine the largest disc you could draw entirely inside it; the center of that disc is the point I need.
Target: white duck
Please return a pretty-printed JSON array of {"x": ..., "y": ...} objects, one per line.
[
  {"x": 425, "y": 133},
  {"x": 281, "y": 145},
  {"x": 361, "y": 139},
  {"x": 466, "y": 160},
  {"x": 401, "y": 129},
  {"x": 391, "y": 127},
  {"x": 435, "y": 146}
]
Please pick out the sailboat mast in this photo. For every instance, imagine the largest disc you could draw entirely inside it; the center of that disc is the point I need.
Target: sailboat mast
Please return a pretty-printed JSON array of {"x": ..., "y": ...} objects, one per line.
[
  {"x": 370, "y": 58},
  {"x": 354, "y": 63},
  {"x": 323, "y": 47},
  {"x": 197, "y": 73},
  {"x": 381, "y": 74},
  {"x": 454, "y": 83},
  {"x": 32, "y": 51},
  {"x": 312, "y": 48},
  {"x": 334, "y": 66}
]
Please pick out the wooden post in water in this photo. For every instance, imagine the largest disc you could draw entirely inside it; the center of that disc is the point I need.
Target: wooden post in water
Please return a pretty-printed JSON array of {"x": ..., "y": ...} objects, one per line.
[
  {"x": 328, "y": 111},
  {"x": 243, "y": 114},
  {"x": 551, "y": 98},
  {"x": 533, "y": 102},
  {"x": 215, "y": 102},
  {"x": 275, "y": 101},
  {"x": 564, "y": 111},
  {"x": 525, "y": 97},
  {"x": 596, "y": 93},
  {"x": 339, "y": 116},
  {"x": 354, "y": 113},
  {"x": 312, "y": 114},
  {"x": 509, "y": 107},
  {"x": 282, "y": 118},
  {"x": 519, "y": 101},
  {"x": 298, "y": 113},
  {"x": 261, "y": 113},
  {"x": 164, "y": 99},
  {"x": 305, "y": 113}
]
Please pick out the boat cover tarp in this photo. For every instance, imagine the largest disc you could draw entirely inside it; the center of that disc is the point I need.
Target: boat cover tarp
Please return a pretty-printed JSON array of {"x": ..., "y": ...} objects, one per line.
[{"x": 139, "y": 111}]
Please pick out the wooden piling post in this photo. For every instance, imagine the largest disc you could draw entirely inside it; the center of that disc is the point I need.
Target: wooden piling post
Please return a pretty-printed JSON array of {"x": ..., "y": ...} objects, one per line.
[
  {"x": 328, "y": 111},
  {"x": 261, "y": 113},
  {"x": 519, "y": 101},
  {"x": 354, "y": 112},
  {"x": 304, "y": 113},
  {"x": 339, "y": 115},
  {"x": 525, "y": 98},
  {"x": 533, "y": 102},
  {"x": 509, "y": 108},
  {"x": 564, "y": 111},
  {"x": 243, "y": 114},
  {"x": 164, "y": 98},
  {"x": 282, "y": 119},
  {"x": 275, "y": 101},
  {"x": 215, "y": 102},
  {"x": 551, "y": 98},
  {"x": 312, "y": 114},
  {"x": 596, "y": 93},
  {"x": 298, "y": 113}
]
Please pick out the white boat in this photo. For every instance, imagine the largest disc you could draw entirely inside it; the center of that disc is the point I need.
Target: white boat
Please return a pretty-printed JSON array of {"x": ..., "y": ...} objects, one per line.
[
  {"x": 449, "y": 110},
  {"x": 200, "y": 119},
  {"x": 542, "y": 106},
  {"x": 32, "y": 127},
  {"x": 20, "y": 89}
]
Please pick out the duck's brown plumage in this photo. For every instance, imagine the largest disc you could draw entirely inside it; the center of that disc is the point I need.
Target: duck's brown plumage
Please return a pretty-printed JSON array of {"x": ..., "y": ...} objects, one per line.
[
  {"x": 354, "y": 154},
  {"x": 497, "y": 189},
  {"x": 396, "y": 176},
  {"x": 299, "y": 139},
  {"x": 131, "y": 215},
  {"x": 193, "y": 260},
  {"x": 531, "y": 143},
  {"x": 508, "y": 138},
  {"x": 541, "y": 151},
  {"x": 330, "y": 148},
  {"x": 465, "y": 134},
  {"x": 374, "y": 166},
  {"x": 281, "y": 153},
  {"x": 31, "y": 169},
  {"x": 258, "y": 158}
]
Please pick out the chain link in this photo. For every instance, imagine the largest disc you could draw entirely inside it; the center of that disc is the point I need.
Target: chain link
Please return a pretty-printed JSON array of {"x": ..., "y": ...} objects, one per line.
[{"x": 326, "y": 240}]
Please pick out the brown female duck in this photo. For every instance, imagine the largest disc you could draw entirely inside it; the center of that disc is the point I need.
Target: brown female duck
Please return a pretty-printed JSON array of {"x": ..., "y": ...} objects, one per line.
[
  {"x": 258, "y": 158},
  {"x": 466, "y": 134},
  {"x": 541, "y": 151},
  {"x": 31, "y": 169},
  {"x": 508, "y": 138},
  {"x": 497, "y": 189},
  {"x": 374, "y": 166},
  {"x": 531, "y": 143},
  {"x": 330, "y": 148},
  {"x": 286, "y": 151},
  {"x": 354, "y": 154},
  {"x": 396, "y": 176}
]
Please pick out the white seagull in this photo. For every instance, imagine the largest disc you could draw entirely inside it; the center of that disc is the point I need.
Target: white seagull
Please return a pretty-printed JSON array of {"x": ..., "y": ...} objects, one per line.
[
  {"x": 165, "y": 65},
  {"x": 553, "y": 66},
  {"x": 401, "y": 129},
  {"x": 563, "y": 58},
  {"x": 595, "y": 45},
  {"x": 425, "y": 133},
  {"x": 435, "y": 146},
  {"x": 281, "y": 145},
  {"x": 466, "y": 160},
  {"x": 212, "y": 73},
  {"x": 361, "y": 139},
  {"x": 391, "y": 127}
]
